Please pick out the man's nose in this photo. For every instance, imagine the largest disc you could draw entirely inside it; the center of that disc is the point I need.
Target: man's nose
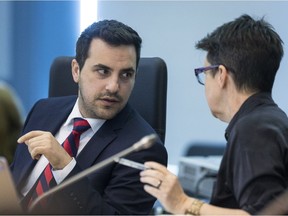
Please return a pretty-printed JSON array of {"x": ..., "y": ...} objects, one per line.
[{"x": 113, "y": 85}]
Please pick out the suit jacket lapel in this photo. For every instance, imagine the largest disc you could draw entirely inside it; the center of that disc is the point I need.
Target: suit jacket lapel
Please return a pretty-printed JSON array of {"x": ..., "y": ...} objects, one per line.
[{"x": 102, "y": 138}]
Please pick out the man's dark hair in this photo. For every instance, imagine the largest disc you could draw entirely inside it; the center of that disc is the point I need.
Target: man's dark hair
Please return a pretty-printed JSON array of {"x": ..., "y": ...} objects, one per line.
[
  {"x": 112, "y": 32},
  {"x": 250, "y": 50}
]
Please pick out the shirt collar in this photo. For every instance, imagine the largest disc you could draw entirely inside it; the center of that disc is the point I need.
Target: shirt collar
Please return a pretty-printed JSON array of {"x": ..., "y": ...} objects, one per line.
[
  {"x": 248, "y": 106},
  {"x": 95, "y": 124}
]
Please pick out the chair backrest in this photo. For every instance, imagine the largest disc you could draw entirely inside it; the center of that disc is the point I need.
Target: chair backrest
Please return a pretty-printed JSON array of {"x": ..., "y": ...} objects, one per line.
[
  {"x": 204, "y": 149},
  {"x": 149, "y": 95}
]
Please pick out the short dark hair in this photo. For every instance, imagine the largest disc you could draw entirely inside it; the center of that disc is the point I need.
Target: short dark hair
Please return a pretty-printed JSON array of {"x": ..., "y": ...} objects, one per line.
[
  {"x": 250, "y": 49},
  {"x": 112, "y": 32}
]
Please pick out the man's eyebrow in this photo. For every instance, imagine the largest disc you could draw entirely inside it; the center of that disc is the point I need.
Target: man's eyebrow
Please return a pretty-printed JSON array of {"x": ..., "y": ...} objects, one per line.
[
  {"x": 129, "y": 69},
  {"x": 101, "y": 66}
]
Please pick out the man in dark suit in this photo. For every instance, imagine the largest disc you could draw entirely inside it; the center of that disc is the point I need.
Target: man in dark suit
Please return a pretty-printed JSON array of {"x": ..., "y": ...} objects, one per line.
[{"x": 107, "y": 56}]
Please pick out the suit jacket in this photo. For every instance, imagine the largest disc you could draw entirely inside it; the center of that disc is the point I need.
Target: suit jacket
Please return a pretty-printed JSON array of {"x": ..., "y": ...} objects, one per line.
[{"x": 115, "y": 189}]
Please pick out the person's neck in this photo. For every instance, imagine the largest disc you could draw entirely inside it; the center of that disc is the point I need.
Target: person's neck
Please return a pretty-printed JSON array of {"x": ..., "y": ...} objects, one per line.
[{"x": 235, "y": 103}]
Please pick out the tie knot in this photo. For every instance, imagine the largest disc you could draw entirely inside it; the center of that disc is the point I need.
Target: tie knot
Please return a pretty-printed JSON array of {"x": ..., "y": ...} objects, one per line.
[{"x": 80, "y": 125}]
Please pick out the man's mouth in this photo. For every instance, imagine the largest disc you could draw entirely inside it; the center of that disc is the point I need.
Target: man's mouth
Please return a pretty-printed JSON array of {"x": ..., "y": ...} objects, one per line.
[{"x": 109, "y": 101}]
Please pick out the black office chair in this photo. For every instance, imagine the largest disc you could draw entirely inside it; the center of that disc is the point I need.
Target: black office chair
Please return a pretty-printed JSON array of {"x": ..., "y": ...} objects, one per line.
[
  {"x": 148, "y": 97},
  {"x": 204, "y": 149}
]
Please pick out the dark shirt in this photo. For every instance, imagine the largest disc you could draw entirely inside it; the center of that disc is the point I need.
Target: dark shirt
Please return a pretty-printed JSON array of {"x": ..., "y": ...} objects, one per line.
[{"x": 254, "y": 167}]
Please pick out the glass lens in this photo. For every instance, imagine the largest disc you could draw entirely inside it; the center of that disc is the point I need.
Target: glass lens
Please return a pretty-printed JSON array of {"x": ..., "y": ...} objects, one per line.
[{"x": 201, "y": 78}]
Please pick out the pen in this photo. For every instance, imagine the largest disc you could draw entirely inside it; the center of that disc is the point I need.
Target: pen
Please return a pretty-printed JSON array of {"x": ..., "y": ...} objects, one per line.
[{"x": 130, "y": 163}]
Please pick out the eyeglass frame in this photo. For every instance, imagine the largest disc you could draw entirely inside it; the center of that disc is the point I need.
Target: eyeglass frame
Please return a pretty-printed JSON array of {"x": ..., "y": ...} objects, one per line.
[{"x": 203, "y": 69}]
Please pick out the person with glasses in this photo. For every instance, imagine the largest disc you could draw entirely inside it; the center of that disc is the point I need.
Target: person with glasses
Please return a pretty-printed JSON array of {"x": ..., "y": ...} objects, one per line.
[{"x": 243, "y": 57}]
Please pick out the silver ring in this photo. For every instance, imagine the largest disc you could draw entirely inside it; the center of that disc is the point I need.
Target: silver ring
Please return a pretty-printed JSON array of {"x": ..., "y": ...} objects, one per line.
[{"x": 159, "y": 184}]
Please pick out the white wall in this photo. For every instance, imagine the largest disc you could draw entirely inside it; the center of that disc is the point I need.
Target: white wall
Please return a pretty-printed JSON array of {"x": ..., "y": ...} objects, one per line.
[{"x": 170, "y": 29}]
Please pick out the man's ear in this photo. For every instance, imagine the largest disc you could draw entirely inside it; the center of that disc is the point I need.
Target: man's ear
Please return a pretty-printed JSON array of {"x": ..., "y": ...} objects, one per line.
[
  {"x": 222, "y": 75},
  {"x": 75, "y": 70}
]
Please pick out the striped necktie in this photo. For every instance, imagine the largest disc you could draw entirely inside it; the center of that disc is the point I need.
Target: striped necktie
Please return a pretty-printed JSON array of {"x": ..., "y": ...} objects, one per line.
[{"x": 70, "y": 144}]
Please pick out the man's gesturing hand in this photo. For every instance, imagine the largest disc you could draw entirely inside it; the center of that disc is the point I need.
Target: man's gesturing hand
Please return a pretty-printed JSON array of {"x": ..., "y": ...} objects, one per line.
[{"x": 44, "y": 143}]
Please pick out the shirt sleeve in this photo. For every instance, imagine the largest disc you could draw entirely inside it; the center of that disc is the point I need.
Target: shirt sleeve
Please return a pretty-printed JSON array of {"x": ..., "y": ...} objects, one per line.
[
  {"x": 60, "y": 175},
  {"x": 258, "y": 168}
]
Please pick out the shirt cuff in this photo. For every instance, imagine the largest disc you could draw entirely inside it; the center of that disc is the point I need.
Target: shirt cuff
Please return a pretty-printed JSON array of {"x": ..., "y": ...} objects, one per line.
[{"x": 60, "y": 175}]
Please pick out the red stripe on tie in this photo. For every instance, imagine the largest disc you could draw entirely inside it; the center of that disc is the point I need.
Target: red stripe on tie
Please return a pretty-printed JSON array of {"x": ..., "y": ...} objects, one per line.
[
  {"x": 39, "y": 189},
  {"x": 67, "y": 147},
  {"x": 48, "y": 174}
]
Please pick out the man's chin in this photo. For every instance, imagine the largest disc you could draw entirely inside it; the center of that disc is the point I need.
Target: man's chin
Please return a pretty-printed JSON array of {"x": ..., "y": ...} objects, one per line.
[{"x": 107, "y": 114}]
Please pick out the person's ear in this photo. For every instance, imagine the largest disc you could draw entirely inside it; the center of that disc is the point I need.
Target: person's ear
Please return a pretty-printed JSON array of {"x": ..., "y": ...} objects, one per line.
[
  {"x": 222, "y": 75},
  {"x": 75, "y": 70}
]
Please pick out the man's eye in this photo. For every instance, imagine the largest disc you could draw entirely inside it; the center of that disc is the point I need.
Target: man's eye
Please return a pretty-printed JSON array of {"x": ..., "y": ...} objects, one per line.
[
  {"x": 127, "y": 74},
  {"x": 102, "y": 71}
]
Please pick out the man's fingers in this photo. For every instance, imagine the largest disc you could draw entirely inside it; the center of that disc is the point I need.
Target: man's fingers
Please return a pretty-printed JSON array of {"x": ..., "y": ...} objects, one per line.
[
  {"x": 29, "y": 135},
  {"x": 37, "y": 157},
  {"x": 35, "y": 153}
]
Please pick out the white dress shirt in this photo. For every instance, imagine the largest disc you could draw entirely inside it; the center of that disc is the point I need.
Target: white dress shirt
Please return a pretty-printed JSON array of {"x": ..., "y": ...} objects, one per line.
[{"x": 62, "y": 134}]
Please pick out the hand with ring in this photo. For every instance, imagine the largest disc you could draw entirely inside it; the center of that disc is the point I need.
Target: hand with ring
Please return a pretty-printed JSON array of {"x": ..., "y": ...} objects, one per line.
[
  {"x": 159, "y": 184},
  {"x": 168, "y": 190}
]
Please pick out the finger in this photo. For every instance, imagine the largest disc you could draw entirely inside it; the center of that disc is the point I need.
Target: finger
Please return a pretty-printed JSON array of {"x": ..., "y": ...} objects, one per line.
[
  {"x": 155, "y": 165},
  {"x": 38, "y": 143},
  {"x": 151, "y": 181},
  {"x": 36, "y": 149},
  {"x": 159, "y": 184},
  {"x": 34, "y": 154},
  {"x": 153, "y": 191},
  {"x": 37, "y": 157},
  {"x": 25, "y": 138},
  {"x": 153, "y": 173}
]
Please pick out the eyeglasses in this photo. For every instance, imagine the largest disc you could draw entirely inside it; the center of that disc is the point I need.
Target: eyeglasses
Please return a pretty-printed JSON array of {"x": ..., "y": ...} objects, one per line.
[{"x": 199, "y": 73}]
